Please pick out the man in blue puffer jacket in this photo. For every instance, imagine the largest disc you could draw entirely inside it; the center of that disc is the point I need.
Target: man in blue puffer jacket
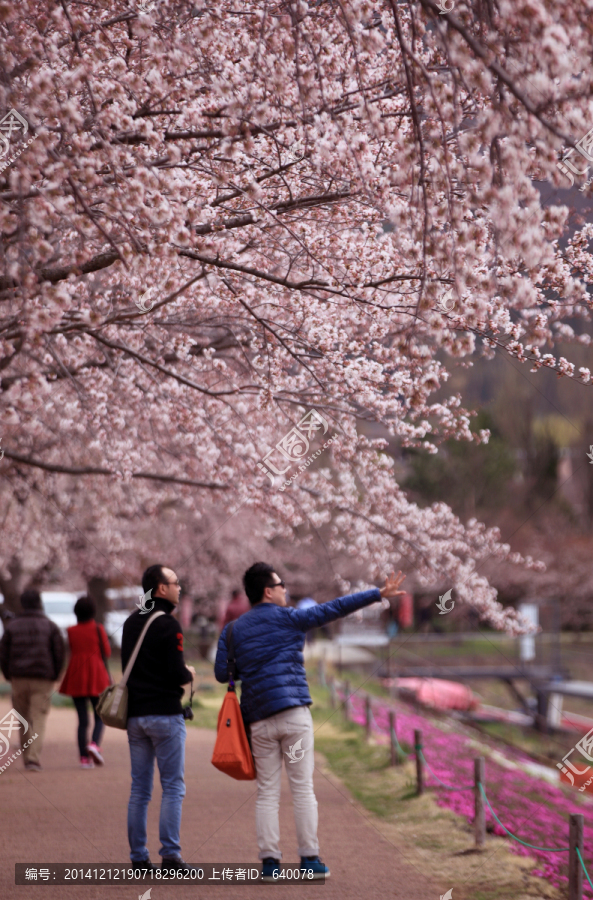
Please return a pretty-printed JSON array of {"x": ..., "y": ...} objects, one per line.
[{"x": 275, "y": 702}]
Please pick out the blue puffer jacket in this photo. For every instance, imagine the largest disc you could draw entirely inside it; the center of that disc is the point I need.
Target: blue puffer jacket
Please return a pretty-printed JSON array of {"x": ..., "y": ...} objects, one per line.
[{"x": 269, "y": 642}]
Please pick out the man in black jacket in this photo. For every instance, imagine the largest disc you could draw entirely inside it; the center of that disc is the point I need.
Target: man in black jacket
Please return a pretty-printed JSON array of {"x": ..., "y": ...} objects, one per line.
[
  {"x": 31, "y": 657},
  {"x": 156, "y": 727}
]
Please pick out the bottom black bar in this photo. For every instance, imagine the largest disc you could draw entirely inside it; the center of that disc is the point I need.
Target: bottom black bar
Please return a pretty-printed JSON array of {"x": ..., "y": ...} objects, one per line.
[{"x": 201, "y": 873}]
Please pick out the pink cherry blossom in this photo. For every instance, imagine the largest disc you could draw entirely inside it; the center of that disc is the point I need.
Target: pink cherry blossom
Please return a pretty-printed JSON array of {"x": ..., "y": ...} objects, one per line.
[{"x": 300, "y": 184}]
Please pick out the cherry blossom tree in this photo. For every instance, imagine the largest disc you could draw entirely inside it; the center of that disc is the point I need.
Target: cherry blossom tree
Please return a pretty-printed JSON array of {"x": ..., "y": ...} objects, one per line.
[{"x": 232, "y": 214}]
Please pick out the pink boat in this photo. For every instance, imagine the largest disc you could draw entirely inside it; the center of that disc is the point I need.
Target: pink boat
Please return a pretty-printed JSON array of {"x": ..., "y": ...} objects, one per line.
[{"x": 437, "y": 693}]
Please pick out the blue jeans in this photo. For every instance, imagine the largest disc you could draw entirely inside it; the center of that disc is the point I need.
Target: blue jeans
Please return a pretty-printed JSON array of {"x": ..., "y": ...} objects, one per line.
[{"x": 162, "y": 737}]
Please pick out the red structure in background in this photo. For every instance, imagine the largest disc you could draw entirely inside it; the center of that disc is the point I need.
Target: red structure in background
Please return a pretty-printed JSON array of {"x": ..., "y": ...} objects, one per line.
[{"x": 405, "y": 611}]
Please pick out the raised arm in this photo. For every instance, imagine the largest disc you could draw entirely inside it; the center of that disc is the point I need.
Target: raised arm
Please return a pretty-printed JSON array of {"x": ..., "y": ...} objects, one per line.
[{"x": 314, "y": 616}]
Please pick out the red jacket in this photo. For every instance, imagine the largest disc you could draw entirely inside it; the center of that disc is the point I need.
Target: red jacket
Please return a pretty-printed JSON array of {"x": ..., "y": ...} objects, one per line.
[{"x": 86, "y": 675}]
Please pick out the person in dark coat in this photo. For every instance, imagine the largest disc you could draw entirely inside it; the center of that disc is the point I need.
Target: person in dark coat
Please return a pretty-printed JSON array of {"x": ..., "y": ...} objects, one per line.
[
  {"x": 86, "y": 677},
  {"x": 31, "y": 658},
  {"x": 275, "y": 700},
  {"x": 156, "y": 726}
]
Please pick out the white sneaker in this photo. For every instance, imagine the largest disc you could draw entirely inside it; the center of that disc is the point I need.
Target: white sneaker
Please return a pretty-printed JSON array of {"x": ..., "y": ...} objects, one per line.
[{"x": 86, "y": 762}]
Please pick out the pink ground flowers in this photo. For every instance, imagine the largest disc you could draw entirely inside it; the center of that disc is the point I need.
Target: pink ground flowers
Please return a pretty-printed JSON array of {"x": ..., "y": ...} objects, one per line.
[{"x": 534, "y": 810}]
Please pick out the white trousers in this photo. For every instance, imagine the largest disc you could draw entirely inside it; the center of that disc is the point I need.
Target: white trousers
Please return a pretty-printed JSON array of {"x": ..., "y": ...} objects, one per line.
[{"x": 288, "y": 735}]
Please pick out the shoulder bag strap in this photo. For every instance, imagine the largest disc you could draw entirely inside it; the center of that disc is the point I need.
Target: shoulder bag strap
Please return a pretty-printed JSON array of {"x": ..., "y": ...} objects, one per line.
[
  {"x": 230, "y": 657},
  {"x": 136, "y": 649}
]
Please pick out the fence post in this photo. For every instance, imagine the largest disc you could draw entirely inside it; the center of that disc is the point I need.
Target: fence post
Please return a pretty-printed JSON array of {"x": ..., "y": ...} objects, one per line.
[
  {"x": 368, "y": 714},
  {"x": 541, "y": 717},
  {"x": 419, "y": 763},
  {"x": 480, "y": 812},
  {"x": 392, "y": 738},
  {"x": 332, "y": 693},
  {"x": 347, "y": 700},
  {"x": 575, "y": 870}
]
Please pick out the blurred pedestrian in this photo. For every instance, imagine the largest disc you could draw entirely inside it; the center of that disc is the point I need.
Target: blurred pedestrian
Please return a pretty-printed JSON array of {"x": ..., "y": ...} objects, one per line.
[
  {"x": 275, "y": 700},
  {"x": 156, "y": 725},
  {"x": 389, "y": 617},
  {"x": 238, "y": 605},
  {"x": 307, "y": 603},
  {"x": 221, "y": 606},
  {"x": 31, "y": 657},
  {"x": 87, "y": 677}
]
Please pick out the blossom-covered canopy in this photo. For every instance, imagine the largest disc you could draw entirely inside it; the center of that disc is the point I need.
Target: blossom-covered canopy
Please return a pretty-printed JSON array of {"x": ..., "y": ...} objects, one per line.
[{"x": 227, "y": 215}]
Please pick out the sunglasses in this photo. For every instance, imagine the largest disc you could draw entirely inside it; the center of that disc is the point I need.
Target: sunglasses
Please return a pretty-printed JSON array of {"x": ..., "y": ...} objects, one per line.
[{"x": 281, "y": 584}]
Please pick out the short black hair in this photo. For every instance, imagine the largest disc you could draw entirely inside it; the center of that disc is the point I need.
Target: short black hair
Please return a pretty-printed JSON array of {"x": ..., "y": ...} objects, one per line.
[
  {"x": 256, "y": 579},
  {"x": 31, "y": 599},
  {"x": 153, "y": 576},
  {"x": 85, "y": 609}
]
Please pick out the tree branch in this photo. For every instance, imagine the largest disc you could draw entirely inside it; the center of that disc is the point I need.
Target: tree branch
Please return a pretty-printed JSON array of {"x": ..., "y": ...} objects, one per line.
[
  {"x": 59, "y": 273},
  {"x": 284, "y": 206},
  {"x": 150, "y": 362},
  {"x": 247, "y": 270},
  {"x": 89, "y": 470}
]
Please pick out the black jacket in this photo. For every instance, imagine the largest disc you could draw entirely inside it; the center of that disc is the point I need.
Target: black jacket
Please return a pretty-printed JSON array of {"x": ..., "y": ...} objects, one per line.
[
  {"x": 31, "y": 647},
  {"x": 154, "y": 686}
]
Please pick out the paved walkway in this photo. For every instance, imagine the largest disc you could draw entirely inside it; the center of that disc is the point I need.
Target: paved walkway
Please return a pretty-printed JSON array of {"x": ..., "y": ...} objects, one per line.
[{"x": 65, "y": 814}]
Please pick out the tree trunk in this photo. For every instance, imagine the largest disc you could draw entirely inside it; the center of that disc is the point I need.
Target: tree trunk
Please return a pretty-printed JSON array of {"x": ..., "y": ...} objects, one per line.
[
  {"x": 12, "y": 587},
  {"x": 96, "y": 589},
  {"x": 588, "y": 474}
]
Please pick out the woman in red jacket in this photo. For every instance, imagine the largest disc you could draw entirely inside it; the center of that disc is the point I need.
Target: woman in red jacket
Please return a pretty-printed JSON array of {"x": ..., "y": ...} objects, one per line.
[{"x": 87, "y": 677}]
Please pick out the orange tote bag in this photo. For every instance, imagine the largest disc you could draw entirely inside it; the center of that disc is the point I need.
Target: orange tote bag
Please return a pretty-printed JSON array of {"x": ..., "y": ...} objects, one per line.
[{"x": 232, "y": 753}]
